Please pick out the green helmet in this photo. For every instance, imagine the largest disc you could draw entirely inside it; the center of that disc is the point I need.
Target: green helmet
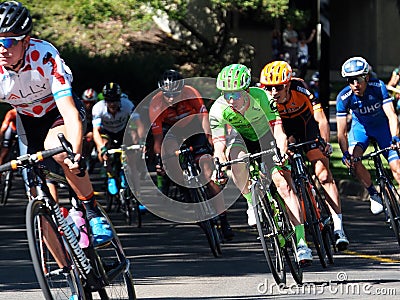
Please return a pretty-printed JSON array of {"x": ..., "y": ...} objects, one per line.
[{"x": 233, "y": 78}]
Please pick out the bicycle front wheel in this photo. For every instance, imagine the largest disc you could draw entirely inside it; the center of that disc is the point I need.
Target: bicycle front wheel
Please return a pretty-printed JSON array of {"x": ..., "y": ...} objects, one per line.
[
  {"x": 5, "y": 186},
  {"x": 54, "y": 268},
  {"x": 391, "y": 199},
  {"x": 209, "y": 226},
  {"x": 117, "y": 269},
  {"x": 269, "y": 236}
]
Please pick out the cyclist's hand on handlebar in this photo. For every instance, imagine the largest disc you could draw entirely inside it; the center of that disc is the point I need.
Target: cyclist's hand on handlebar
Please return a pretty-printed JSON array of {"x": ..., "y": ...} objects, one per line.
[
  {"x": 396, "y": 142},
  {"x": 280, "y": 161},
  {"x": 75, "y": 164},
  {"x": 328, "y": 149},
  {"x": 159, "y": 165},
  {"x": 160, "y": 170},
  {"x": 347, "y": 159},
  {"x": 221, "y": 179}
]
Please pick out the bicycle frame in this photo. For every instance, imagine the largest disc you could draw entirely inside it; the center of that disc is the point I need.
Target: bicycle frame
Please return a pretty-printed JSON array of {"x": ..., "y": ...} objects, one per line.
[{"x": 87, "y": 261}]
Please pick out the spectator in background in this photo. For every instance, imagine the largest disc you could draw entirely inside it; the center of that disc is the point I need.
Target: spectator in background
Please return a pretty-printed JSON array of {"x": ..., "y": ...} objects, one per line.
[
  {"x": 302, "y": 53},
  {"x": 276, "y": 44},
  {"x": 394, "y": 86},
  {"x": 290, "y": 44}
]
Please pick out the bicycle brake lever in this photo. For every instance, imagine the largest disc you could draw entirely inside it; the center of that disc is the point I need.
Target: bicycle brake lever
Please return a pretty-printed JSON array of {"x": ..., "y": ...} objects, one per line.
[{"x": 71, "y": 155}]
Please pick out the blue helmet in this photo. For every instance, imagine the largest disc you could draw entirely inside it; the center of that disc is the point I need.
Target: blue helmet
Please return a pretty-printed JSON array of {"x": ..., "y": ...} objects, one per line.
[{"x": 355, "y": 66}]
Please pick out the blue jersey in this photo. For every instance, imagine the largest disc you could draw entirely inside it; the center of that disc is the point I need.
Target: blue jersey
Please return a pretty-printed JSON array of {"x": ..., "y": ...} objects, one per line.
[{"x": 366, "y": 110}]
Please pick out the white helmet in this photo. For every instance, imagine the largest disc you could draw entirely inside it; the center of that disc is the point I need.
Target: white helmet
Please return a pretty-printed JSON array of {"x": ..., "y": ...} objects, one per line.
[{"x": 355, "y": 66}]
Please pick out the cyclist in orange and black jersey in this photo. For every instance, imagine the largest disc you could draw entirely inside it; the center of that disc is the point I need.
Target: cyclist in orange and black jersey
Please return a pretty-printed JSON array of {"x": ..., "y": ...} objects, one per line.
[
  {"x": 298, "y": 112},
  {"x": 304, "y": 119}
]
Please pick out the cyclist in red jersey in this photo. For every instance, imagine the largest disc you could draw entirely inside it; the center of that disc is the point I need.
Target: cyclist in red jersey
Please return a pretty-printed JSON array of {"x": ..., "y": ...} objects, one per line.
[
  {"x": 178, "y": 114},
  {"x": 304, "y": 119},
  {"x": 35, "y": 80}
]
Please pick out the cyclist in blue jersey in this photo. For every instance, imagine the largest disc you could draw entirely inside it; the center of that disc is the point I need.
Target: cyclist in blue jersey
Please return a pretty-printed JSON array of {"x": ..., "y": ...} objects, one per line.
[{"x": 373, "y": 116}]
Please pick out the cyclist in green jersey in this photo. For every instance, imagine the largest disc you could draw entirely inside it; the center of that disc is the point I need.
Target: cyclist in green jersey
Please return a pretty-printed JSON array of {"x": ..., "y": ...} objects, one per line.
[{"x": 255, "y": 122}]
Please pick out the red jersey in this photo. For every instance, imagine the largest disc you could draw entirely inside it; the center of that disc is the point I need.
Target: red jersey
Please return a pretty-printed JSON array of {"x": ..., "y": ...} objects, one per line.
[{"x": 189, "y": 104}]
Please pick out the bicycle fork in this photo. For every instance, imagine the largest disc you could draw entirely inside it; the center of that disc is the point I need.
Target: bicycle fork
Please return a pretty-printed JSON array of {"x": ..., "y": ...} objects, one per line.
[{"x": 84, "y": 266}]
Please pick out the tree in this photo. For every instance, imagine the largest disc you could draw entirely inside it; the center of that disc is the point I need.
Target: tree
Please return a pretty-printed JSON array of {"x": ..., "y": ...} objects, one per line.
[{"x": 203, "y": 28}]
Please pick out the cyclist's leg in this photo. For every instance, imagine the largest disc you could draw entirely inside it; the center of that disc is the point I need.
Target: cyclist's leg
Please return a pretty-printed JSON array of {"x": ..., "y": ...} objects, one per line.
[
  {"x": 83, "y": 188},
  {"x": 6, "y": 143}
]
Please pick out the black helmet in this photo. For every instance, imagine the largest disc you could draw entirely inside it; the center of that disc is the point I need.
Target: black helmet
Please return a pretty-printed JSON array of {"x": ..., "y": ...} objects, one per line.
[
  {"x": 112, "y": 92},
  {"x": 15, "y": 18},
  {"x": 171, "y": 82}
]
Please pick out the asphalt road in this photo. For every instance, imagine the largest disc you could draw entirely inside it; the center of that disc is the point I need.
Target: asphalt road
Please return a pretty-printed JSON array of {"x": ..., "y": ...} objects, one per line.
[{"x": 173, "y": 261}]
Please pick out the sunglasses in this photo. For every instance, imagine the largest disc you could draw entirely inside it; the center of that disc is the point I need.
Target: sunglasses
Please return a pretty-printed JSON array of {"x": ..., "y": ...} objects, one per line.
[
  {"x": 8, "y": 42},
  {"x": 277, "y": 88},
  {"x": 359, "y": 79},
  {"x": 232, "y": 95},
  {"x": 171, "y": 94}
]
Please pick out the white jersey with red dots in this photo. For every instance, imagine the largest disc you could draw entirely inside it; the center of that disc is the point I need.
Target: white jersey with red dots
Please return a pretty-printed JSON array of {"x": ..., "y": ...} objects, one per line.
[{"x": 43, "y": 79}]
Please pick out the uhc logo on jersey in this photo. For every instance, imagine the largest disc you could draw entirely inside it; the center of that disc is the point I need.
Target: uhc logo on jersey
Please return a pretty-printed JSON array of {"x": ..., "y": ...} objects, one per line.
[{"x": 370, "y": 109}]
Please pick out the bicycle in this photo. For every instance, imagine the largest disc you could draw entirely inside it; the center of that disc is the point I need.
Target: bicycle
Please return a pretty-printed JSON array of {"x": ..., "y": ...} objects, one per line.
[
  {"x": 125, "y": 199},
  {"x": 387, "y": 190},
  {"x": 317, "y": 216},
  {"x": 198, "y": 194},
  {"x": 65, "y": 270},
  {"x": 276, "y": 233},
  {"x": 6, "y": 177}
]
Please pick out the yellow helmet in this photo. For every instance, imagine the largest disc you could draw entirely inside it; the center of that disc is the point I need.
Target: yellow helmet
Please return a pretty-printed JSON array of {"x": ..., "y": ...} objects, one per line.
[{"x": 276, "y": 73}]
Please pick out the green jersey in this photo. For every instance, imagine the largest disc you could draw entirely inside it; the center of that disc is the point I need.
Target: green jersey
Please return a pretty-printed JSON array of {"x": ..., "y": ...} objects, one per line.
[{"x": 257, "y": 120}]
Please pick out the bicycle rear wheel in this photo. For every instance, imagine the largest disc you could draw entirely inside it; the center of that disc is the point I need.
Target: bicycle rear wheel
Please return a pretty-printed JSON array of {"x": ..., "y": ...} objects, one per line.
[
  {"x": 312, "y": 222},
  {"x": 268, "y": 234},
  {"x": 117, "y": 267},
  {"x": 391, "y": 199},
  {"x": 57, "y": 276}
]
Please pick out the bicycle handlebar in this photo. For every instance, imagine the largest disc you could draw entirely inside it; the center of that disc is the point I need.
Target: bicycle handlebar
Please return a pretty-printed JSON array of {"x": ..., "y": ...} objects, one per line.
[
  {"x": 247, "y": 158},
  {"x": 31, "y": 159},
  {"x": 373, "y": 154},
  {"x": 124, "y": 148},
  {"x": 294, "y": 147}
]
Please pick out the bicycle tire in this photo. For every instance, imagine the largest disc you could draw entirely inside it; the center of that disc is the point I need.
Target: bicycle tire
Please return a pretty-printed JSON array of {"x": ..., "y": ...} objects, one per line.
[
  {"x": 312, "y": 223},
  {"x": 2, "y": 188},
  {"x": 110, "y": 201},
  {"x": 111, "y": 255},
  {"x": 131, "y": 209},
  {"x": 268, "y": 235},
  {"x": 326, "y": 221},
  {"x": 135, "y": 211},
  {"x": 8, "y": 177},
  {"x": 392, "y": 207},
  {"x": 290, "y": 249},
  {"x": 209, "y": 227},
  {"x": 55, "y": 283}
]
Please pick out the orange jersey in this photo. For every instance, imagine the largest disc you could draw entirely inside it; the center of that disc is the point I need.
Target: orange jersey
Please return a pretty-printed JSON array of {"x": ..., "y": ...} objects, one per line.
[
  {"x": 9, "y": 120},
  {"x": 188, "y": 105},
  {"x": 302, "y": 103}
]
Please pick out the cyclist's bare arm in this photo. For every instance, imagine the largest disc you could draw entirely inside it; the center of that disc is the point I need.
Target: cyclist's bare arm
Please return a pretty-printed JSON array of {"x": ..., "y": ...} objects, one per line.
[
  {"x": 280, "y": 137},
  {"x": 388, "y": 108},
  {"x": 342, "y": 133}
]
